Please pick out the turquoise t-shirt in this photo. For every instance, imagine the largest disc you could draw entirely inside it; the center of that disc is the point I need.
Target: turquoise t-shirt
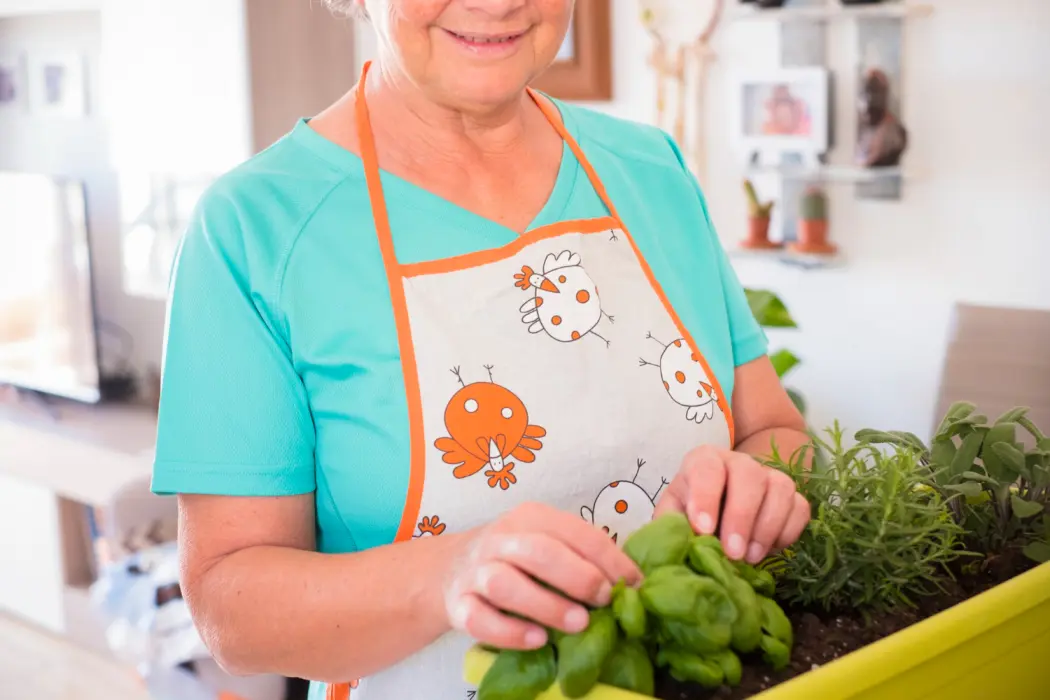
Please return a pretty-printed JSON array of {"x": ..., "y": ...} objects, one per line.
[{"x": 282, "y": 366}]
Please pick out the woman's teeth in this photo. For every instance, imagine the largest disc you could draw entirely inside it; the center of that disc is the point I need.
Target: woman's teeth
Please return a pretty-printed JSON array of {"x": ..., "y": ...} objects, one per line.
[{"x": 486, "y": 39}]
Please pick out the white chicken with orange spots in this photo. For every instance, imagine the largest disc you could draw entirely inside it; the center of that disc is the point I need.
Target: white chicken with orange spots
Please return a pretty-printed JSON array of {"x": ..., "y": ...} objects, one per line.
[
  {"x": 685, "y": 380},
  {"x": 622, "y": 507},
  {"x": 564, "y": 303}
]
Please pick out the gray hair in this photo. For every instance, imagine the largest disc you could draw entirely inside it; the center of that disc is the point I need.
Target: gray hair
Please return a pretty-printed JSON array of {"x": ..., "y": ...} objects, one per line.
[{"x": 348, "y": 8}]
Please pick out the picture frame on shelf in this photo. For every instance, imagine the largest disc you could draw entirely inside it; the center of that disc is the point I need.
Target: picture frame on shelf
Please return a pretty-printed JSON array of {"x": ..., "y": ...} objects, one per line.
[
  {"x": 582, "y": 69},
  {"x": 13, "y": 84},
  {"x": 782, "y": 110},
  {"x": 57, "y": 84}
]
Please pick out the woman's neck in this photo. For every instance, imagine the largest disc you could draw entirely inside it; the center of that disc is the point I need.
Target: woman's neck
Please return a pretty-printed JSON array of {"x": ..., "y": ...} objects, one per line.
[{"x": 416, "y": 130}]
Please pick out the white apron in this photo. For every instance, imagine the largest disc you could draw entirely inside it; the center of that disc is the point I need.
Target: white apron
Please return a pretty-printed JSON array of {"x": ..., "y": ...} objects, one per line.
[{"x": 552, "y": 369}]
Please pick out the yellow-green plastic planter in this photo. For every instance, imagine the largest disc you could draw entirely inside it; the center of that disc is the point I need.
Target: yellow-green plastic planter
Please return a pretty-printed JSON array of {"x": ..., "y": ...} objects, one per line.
[{"x": 995, "y": 646}]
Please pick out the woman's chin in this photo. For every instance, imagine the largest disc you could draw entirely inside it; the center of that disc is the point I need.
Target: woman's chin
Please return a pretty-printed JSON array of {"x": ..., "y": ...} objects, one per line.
[{"x": 473, "y": 90}]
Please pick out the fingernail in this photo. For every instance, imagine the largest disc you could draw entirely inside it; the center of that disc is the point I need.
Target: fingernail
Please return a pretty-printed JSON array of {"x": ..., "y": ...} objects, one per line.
[
  {"x": 705, "y": 524},
  {"x": 604, "y": 594},
  {"x": 535, "y": 638},
  {"x": 735, "y": 547},
  {"x": 755, "y": 553},
  {"x": 576, "y": 620}
]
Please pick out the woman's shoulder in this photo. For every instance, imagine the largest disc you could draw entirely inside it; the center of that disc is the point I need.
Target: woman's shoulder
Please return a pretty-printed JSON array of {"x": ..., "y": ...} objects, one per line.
[
  {"x": 621, "y": 138},
  {"x": 253, "y": 214}
]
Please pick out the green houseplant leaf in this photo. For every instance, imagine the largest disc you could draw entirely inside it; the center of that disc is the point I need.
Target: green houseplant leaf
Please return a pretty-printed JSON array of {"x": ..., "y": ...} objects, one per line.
[
  {"x": 769, "y": 310},
  {"x": 783, "y": 361}
]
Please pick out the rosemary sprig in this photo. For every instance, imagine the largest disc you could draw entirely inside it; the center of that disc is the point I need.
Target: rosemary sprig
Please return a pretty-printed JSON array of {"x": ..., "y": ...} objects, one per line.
[{"x": 881, "y": 534}]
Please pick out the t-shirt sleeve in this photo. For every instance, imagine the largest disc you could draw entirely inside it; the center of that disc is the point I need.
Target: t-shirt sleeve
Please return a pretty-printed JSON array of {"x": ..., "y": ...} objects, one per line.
[
  {"x": 749, "y": 340},
  {"x": 234, "y": 417}
]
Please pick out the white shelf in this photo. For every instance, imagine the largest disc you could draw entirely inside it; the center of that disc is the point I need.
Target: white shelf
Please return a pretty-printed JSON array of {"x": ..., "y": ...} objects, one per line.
[
  {"x": 789, "y": 258},
  {"x": 830, "y": 173},
  {"x": 86, "y": 454},
  {"x": 833, "y": 12}
]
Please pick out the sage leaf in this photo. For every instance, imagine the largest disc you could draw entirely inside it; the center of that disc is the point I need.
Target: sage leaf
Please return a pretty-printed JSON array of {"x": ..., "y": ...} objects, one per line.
[
  {"x": 957, "y": 411},
  {"x": 1013, "y": 415},
  {"x": 1037, "y": 551},
  {"x": 1012, "y": 458},
  {"x": 970, "y": 489},
  {"x": 967, "y": 453},
  {"x": 1024, "y": 509}
]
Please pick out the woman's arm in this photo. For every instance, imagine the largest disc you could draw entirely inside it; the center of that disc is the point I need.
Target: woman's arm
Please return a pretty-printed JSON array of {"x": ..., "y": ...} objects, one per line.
[
  {"x": 266, "y": 602},
  {"x": 764, "y": 413}
]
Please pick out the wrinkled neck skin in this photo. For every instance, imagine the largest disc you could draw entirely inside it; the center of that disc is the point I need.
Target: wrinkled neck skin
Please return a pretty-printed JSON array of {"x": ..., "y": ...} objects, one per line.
[{"x": 416, "y": 130}]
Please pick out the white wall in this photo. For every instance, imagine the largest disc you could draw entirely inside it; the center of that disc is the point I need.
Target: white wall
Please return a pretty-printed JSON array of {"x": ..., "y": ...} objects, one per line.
[{"x": 973, "y": 228}]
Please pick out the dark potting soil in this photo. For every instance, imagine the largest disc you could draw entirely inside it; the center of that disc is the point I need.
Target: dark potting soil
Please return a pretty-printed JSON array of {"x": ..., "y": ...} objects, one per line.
[{"x": 821, "y": 637}]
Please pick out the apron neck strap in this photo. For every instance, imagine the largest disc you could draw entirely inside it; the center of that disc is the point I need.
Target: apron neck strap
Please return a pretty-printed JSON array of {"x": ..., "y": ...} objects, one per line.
[
  {"x": 554, "y": 117},
  {"x": 367, "y": 143},
  {"x": 369, "y": 155}
]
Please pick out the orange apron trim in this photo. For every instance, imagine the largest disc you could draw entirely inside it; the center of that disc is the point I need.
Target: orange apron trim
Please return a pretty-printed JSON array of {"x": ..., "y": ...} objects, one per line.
[
  {"x": 483, "y": 257},
  {"x": 397, "y": 272}
]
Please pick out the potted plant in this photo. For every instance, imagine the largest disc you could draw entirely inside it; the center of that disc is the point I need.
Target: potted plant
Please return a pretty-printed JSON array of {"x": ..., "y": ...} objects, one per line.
[
  {"x": 813, "y": 224},
  {"x": 885, "y": 598},
  {"x": 770, "y": 312},
  {"x": 758, "y": 221}
]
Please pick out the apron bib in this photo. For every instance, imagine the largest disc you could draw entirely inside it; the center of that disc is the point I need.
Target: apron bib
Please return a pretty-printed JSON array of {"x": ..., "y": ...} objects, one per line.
[{"x": 552, "y": 369}]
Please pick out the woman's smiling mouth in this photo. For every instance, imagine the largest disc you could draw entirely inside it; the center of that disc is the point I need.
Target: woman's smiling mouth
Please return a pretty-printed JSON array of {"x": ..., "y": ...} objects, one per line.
[{"x": 488, "y": 44}]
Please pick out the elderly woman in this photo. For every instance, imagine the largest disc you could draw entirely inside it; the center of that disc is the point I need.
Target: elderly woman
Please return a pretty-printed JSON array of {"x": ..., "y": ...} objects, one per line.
[{"x": 446, "y": 342}]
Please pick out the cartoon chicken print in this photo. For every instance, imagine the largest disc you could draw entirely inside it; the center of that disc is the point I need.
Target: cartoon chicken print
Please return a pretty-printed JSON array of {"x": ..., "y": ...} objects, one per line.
[
  {"x": 564, "y": 301},
  {"x": 487, "y": 424},
  {"x": 685, "y": 380},
  {"x": 622, "y": 506},
  {"x": 430, "y": 526}
]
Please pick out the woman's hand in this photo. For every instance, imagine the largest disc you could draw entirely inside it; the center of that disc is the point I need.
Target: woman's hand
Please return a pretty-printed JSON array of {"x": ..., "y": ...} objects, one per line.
[
  {"x": 763, "y": 511},
  {"x": 502, "y": 566}
]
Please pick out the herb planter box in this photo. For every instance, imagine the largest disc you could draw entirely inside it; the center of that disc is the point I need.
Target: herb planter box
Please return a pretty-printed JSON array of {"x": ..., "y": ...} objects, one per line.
[{"x": 993, "y": 645}]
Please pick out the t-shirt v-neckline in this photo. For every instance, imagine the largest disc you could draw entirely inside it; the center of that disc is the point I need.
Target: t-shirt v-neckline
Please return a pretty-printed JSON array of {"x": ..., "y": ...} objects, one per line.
[{"x": 551, "y": 212}]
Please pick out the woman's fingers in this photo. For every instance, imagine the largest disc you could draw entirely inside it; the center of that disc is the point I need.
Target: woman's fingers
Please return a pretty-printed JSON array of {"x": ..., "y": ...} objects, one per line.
[
  {"x": 746, "y": 483},
  {"x": 581, "y": 537},
  {"x": 509, "y": 589},
  {"x": 801, "y": 512},
  {"x": 754, "y": 508},
  {"x": 777, "y": 506},
  {"x": 470, "y": 614},
  {"x": 697, "y": 490},
  {"x": 553, "y": 562}
]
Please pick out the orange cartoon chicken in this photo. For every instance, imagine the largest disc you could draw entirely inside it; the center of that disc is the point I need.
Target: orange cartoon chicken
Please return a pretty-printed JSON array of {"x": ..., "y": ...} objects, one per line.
[
  {"x": 565, "y": 302},
  {"x": 487, "y": 424},
  {"x": 430, "y": 526},
  {"x": 685, "y": 380}
]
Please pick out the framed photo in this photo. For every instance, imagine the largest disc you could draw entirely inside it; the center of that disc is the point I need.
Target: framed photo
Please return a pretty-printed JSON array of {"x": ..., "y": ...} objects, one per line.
[
  {"x": 57, "y": 85},
  {"x": 583, "y": 67},
  {"x": 13, "y": 87},
  {"x": 782, "y": 111}
]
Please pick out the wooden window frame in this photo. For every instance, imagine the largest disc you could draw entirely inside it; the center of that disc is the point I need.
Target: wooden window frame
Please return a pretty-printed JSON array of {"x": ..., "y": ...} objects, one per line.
[{"x": 588, "y": 76}]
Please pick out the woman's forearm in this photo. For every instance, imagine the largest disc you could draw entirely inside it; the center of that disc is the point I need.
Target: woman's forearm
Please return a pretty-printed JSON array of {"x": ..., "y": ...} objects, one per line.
[
  {"x": 787, "y": 441},
  {"x": 323, "y": 617}
]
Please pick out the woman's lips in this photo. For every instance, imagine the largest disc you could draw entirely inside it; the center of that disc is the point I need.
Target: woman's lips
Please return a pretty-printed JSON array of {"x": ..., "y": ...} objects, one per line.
[{"x": 488, "y": 44}]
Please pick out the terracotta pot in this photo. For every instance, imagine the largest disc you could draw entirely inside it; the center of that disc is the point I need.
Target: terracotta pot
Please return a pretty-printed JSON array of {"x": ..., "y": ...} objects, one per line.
[
  {"x": 758, "y": 235},
  {"x": 813, "y": 238}
]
